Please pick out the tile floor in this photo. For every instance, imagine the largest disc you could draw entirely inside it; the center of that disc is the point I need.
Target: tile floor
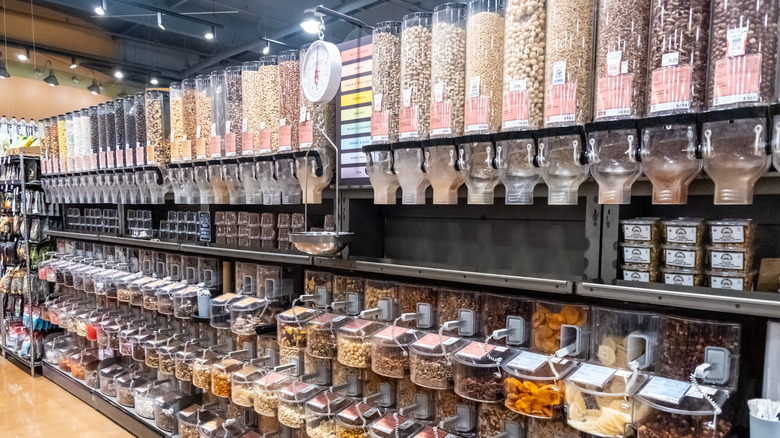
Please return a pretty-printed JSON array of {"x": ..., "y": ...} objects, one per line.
[{"x": 39, "y": 408}]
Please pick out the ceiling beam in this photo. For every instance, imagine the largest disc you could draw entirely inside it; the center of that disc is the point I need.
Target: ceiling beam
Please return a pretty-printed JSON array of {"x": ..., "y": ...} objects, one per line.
[
  {"x": 290, "y": 31},
  {"x": 169, "y": 13},
  {"x": 410, "y": 6}
]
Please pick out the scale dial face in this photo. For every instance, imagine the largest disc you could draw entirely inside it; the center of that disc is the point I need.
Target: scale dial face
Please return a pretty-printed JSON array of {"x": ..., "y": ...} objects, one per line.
[{"x": 321, "y": 73}]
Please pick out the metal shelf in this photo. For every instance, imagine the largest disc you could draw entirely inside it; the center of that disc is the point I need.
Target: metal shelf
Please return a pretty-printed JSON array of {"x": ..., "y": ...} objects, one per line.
[
  {"x": 155, "y": 244},
  {"x": 108, "y": 406},
  {"x": 443, "y": 274},
  {"x": 699, "y": 298},
  {"x": 73, "y": 235},
  {"x": 248, "y": 254},
  {"x": 20, "y": 362}
]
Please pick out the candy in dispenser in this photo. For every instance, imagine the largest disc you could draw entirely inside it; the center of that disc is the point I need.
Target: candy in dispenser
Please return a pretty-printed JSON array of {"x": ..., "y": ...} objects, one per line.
[
  {"x": 669, "y": 156},
  {"x": 734, "y": 152},
  {"x": 563, "y": 162}
]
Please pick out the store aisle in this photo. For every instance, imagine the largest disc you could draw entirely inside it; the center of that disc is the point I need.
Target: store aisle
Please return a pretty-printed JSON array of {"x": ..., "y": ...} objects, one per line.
[{"x": 38, "y": 408}]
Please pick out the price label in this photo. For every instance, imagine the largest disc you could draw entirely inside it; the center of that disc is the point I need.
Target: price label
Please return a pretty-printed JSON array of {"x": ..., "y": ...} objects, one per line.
[
  {"x": 474, "y": 86},
  {"x": 594, "y": 375},
  {"x": 670, "y": 59},
  {"x": 736, "y": 41},
  {"x": 681, "y": 234},
  {"x": 244, "y": 124},
  {"x": 667, "y": 390},
  {"x": 639, "y": 276},
  {"x": 378, "y": 102},
  {"x": 230, "y": 145},
  {"x": 728, "y": 234},
  {"x": 729, "y": 283},
  {"x": 528, "y": 361},
  {"x": 727, "y": 260},
  {"x": 438, "y": 92},
  {"x": 613, "y": 62},
  {"x": 407, "y": 97}
]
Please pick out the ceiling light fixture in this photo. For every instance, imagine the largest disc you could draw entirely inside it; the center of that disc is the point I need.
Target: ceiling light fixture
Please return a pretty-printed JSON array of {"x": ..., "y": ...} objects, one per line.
[
  {"x": 73, "y": 63},
  {"x": 159, "y": 21},
  {"x": 267, "y": 48},
  {"x": 3, "y": 70},
  {"x": 75, "y": 80},
  {"x": 51, "y": 79},
  {"x": 211, "y": 34},
  {"x": 312, "y": 19},
  {"x": 94, "y": 88},
  {"x": 154, "y": 81},
  {"x": 24, "y": 56},
  {"x": 118, "y": 74},
  {"x": 311, "y": 22},
  {"x": 101, "y": 9}
]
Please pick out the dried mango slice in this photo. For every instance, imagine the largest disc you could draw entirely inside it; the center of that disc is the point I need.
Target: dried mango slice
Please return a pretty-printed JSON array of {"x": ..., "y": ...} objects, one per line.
[
  {"x": 530, "y": 387},
  {"x": 545, "y": 332},
  {"x": 555, "y": 321},
  {"x": 512, "y": 385},
  {"x": 571, "y": 314},
  {"x": 538, "y": 318}
]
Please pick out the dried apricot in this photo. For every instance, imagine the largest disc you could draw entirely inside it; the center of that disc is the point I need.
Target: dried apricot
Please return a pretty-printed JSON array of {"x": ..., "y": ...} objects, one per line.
[{"x": 571, "y": 314}]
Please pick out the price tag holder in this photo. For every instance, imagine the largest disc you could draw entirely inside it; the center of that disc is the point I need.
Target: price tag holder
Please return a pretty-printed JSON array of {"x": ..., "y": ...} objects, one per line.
[
  {"x": 666, "y": 390},
  {"x": 594, "y": 375}
]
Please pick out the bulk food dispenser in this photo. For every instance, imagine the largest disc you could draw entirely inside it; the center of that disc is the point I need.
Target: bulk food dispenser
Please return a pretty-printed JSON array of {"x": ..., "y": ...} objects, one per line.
[
  {"x": 669, "y": 156},
  {"x": 622, "y": 339},
  {"x": 386, "y": 99},
  {"x": 158, "y": 132},
  {"x": 735, "y": 153},
  {"x": 517, "y": 166},
  {"x": 201, "y": 174},
  {"x": 483, "y": 100},
  {"x": 612, "y": 154},
  {"x": 230, "y": 166},
  {"x": 447, "y": 94},
  {"x": 564, "y": 163}
]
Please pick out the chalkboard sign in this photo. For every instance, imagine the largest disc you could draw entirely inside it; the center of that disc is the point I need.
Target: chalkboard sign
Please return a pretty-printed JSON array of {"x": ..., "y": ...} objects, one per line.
[{"x": 204, "y": 220}]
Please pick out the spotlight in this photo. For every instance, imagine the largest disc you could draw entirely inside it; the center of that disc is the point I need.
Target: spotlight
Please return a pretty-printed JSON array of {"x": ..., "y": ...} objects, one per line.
[
  {"x": 101, "y": 9},
  {"x": 311, "y": 22},
  {"x": 51, "y": 79},
  {"x": 75, "y": 80},
  {"x": 94, "y": 88},
  {"x": 73, "y": 63},
  {"x": 210, "y": 34},
  {"x": 159, "y": 21},
  {"x": 267, "y": 48},
  {"x": 118, "y": 74},
  {"x": 154, "y": 81},
  {"x": 3, "y": 70},
  {"x": 24, "y": 56}
]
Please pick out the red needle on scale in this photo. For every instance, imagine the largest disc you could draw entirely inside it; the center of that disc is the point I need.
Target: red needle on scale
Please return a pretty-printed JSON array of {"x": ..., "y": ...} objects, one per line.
[{"x": 317, "y": 68}]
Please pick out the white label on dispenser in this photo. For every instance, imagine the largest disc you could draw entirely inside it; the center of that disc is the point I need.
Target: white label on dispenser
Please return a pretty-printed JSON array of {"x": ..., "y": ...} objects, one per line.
[
  {"x": 528, "y": 361},
  {"x": 636, "y": 255},
  {"x": 728, "y": 234},
  {"x": 407, "y": 97},
  {"x": 595, "y": 375},
  {"x": 213, "y": 129},
  {"x": 438, "y": 92},
  {"x": 613, "y": 62},
  {"x": 637, "y": 232},
  {"x": 244, "y": 124},
  {"x": 559, "y": 73},
  {"x": 197, "y": 131},
  {"x": 679, "y": 279},
  {"x": 642, "y": 277},
  {"x": 474, "y": 86},
  {"x": 700, "y": 391},
  {"x": 227, "y": 126},
  {"x": 684, "y": 259},
  {"x": 681, "y": 234},
  {"x": 670, "y": 59},
  {"x": 378, "y": 102},
  {"x": 519, "y": 85},
  {"x": 736, "y": 41},
  {"x": 666, "y": 390},
  {"x": 302, "y": 116},
  {"x": 727, "y": 283},
  {"x": 624, "y": 67},
  {"x": 262, "y": 125},
  {"x": 727, "y": 260},
  {"x": 282, "y": 122}
]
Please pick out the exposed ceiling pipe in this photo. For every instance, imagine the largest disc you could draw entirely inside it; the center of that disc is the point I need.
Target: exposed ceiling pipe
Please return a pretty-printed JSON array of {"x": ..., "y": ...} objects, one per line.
[{"x": 410, "y": 6}]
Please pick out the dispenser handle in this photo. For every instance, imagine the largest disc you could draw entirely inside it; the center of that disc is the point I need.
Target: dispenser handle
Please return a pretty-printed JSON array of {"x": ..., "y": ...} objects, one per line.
[
  {"x": 497, "y": 160},
  {"x": 757, "y": 142},
  {"x": 540, "y": 160},
  {"x": 593, "y": 156},
  {"x": 707, "y": 145}
]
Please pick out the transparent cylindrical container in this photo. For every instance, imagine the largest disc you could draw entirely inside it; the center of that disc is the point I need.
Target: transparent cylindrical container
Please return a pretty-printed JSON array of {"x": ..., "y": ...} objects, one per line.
[
  {"x": 70, "y": 140},
  {"x": 140, "y": 129},
  {"x": 548, "y": 332},
  {"x": 218, "y": 115},
  {"x": 677, "y": 66},
  {"x": 158, "y": 128},
  {"x": 183, "y": 360},
  {"x": 321, "y": 414},
  {"x": 265, "y": 397},
  {"x": 177, "y": 120},
  {"x": 110, "y": 145},
  {"x": 610, "y": 393},
  {"x": 381, "y": 172},
  {"x": 321, "y": 334},
  {"x": 613, "y": 164},
  {"x": 448, "y": 70},
  {"x": 292, "y": 326},
  {"x": 414, "y": 112},
  {"x": 289, "y": 100},
  {"x": 743, "y": 53},
  {"x": 621, "y": 59},
  {"x": 234, "y": 98},
  {"x": 524, "y": 62},
  {"x": 484, "y": 66},
  {"x": 222, "y": 374},
  {"x": 203, "y": 117},
  {"x": 477, "y": 371},
  {"x": 515, "y": 160},
  {"x": 248, "y": 313},
  {"x": 166, "y": 406},
  {"x": 430, "y": 364},
  {"x": 354, "y": 420},
  {"x": 534, "y": 387},
  {"x": 619, "y": 338},
  {"x": 568, "y": 68},
  {"x": 562, "y": 166},
  {"x": 292, "y": 399},
  {"x": 220, "y": 310},
  {"x": 243, "y": 382},
  {"x": 119, "y": 141},
  {"x": 354, "y": 343},
  {"x": 250, "y": 107},
  {"x": 669, "y": 160},
  {"x": 390, "y": 351},
  {"x": 270, "y": 107},
  {"x": 386, "y": 82},
  {"x": 201, "y": 369},
  {"x": 189, "y": 98},
  {"x": 393, "y": 425},
  {"x": 130, "y": 134}
]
